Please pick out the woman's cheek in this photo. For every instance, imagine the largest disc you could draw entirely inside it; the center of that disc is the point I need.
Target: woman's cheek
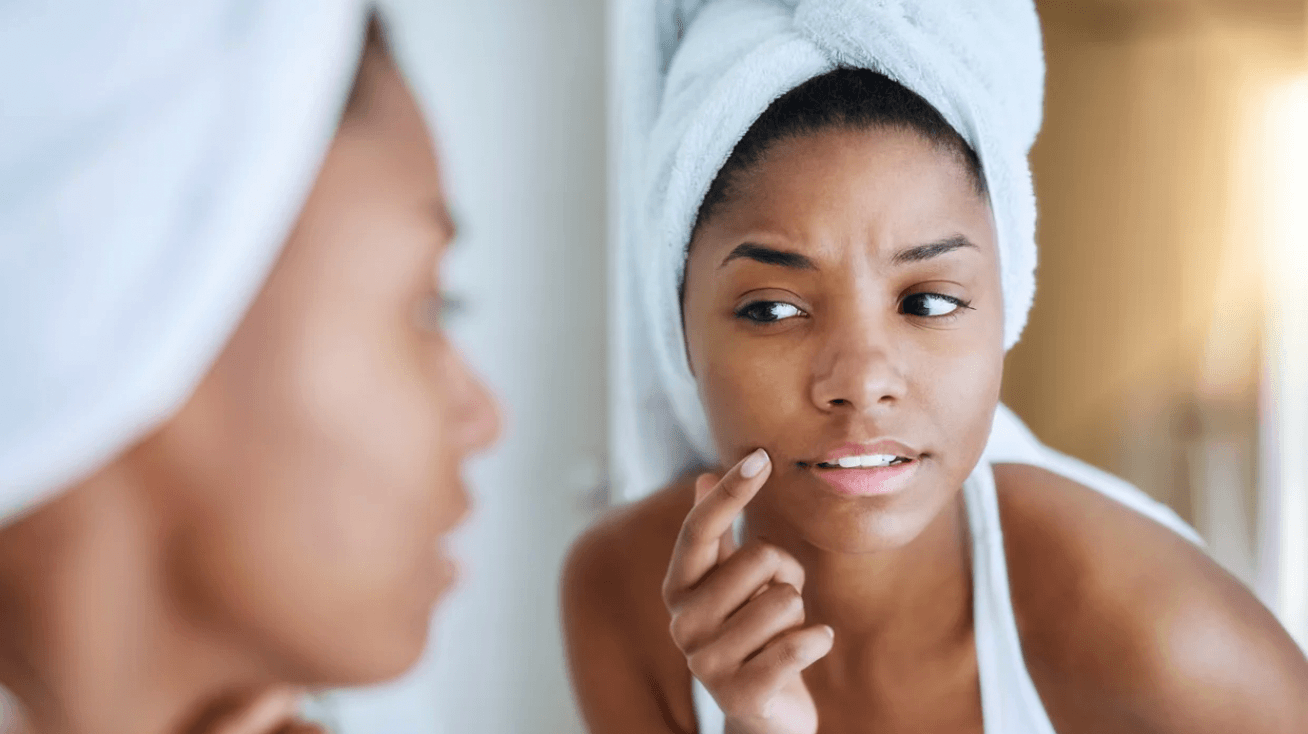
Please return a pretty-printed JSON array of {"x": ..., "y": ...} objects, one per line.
[
  {"x": 750, "y": 392},
  {"x": 965, "y": 391},
  {"x": 370, "y": 434}
]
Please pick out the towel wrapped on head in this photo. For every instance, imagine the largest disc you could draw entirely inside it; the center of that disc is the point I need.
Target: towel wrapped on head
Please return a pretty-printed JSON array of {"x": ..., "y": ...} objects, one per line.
[
  {"x": 153, "y": 158},
  {"x": 713, "y": 69},
  {"x": 697, "y": 77}
]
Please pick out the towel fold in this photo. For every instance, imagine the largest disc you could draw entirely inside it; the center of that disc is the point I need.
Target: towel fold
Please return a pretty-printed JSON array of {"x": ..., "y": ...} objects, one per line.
[
  {"x": 693, "y": 76},
  {"x": 153, "y": 158}
]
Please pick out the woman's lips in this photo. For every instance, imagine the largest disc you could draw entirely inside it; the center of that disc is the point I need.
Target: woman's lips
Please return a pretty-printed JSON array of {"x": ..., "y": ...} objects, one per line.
[
  {"x": 867, "y": 481},
  {"x": 447, "y": 569},
  {"x": 884, "y": 447}
]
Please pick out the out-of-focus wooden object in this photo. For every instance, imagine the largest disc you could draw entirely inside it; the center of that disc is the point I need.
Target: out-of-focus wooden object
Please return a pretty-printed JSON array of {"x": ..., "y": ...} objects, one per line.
[{"x": 1142, "y": 354}]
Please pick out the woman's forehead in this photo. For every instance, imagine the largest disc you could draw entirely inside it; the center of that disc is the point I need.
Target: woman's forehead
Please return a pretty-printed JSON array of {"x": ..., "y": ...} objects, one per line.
[{"x": 883, "y": 186}]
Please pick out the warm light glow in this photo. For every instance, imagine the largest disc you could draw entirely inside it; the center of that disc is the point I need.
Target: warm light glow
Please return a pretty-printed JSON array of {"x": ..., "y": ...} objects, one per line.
[{"x": 1287, "y": 340}]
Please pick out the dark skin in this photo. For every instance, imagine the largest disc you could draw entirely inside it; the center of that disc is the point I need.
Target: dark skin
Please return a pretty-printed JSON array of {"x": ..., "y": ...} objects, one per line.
[
  {"x": 286, "y": 529},
  {"x": 866, "y": 306}
]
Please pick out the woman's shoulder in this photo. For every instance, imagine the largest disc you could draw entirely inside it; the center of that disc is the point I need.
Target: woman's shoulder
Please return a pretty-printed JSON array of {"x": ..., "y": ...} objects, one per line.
[
  {"x": 625, "y": 666},
  {"x": 623, "y": 550},
  {"x": 1126, "y": 623}
]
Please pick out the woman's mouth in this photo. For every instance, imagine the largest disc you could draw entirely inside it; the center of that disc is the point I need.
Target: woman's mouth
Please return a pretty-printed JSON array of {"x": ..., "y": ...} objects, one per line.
[
  {"x": 881, "y": 475},
  {"x": 865, "y": 461}
]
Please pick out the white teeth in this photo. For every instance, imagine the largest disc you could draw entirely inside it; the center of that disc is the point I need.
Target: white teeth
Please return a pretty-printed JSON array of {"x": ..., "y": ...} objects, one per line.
[{"x": 871, "y": 460}]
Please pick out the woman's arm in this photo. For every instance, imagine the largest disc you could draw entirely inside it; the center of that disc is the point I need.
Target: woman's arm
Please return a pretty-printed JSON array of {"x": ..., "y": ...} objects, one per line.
[
  {"x": 1126, "y": 627},
  {"x": 1217, "y": 661}
]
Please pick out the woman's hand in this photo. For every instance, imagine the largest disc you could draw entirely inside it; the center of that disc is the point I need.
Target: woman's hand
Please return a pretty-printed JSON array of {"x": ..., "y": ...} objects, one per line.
[
  {"x": 269, "y": 712},
  {"x": 737, "y": 614}
]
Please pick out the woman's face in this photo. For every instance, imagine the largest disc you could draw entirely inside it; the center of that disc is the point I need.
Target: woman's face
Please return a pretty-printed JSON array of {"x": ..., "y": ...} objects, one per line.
[
  {"x": 307, "y": 485},
  {"x": 845, "y": 301}
]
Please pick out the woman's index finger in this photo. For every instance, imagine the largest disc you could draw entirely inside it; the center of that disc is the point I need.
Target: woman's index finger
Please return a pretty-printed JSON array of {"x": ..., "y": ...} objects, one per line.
[
  {"x": 698, "y": 543},
  {"x": 704, "y": 484}
]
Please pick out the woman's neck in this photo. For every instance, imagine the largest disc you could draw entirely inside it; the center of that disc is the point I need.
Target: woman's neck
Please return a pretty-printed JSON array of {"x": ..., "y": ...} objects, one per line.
[
  {"x": 90, "y": 639},
  {"x": 891, "y": 607}
]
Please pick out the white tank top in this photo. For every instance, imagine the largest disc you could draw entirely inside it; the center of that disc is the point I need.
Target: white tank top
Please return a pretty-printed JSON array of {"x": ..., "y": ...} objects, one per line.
[{"x": 1009, "y": 701}]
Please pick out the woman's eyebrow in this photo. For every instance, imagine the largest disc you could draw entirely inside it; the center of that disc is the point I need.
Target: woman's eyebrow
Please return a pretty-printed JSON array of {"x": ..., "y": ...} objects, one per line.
[
  {"x": 769, "y": 256},
  {"x": 935, "y": 249}
]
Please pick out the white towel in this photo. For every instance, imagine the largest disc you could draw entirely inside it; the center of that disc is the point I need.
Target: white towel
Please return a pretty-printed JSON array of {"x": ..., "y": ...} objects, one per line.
[
  {"x": 153, "y": 157},
  {"x": 693, "y": 76}
]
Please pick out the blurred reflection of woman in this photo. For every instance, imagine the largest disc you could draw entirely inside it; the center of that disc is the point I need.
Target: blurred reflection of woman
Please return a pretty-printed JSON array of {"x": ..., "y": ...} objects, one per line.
[{"x": 231, "y": 426}]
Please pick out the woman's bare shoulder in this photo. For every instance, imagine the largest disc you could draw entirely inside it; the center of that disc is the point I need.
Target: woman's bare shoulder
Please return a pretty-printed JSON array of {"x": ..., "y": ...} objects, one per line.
[
  {"x": 628, "y": 674},
  {"x": 619, "y": 555},
  {"x": 1125, "y": 624}
]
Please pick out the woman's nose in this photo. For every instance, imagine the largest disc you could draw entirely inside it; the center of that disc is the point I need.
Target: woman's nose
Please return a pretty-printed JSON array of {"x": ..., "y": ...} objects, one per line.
[{"x": 858, "y": 371}]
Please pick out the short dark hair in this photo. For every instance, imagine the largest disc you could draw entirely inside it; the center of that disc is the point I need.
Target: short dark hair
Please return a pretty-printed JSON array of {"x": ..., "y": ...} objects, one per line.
[{"x": 845, "y": 98}]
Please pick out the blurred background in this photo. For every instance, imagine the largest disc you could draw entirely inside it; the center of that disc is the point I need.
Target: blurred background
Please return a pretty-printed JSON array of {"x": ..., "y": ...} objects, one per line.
[
  {"x": 1168, "y": 344},
  {"x": 1167, "y": 340}
]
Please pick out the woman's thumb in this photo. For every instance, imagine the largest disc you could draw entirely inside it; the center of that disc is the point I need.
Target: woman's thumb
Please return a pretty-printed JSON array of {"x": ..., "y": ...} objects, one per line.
[{"x": 265, "y": 713}]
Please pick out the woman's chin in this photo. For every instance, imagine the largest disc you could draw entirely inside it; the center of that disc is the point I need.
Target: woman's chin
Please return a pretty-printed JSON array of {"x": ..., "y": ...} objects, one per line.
[
  {"x": 408, "y": 637},
  {"x": 859, "y": 528},
  {"x": 838, "y": 522},
  {"x": 868, "y": 537},
  {"x": 385, "y": 660},
  {"x": 391, "y": 641}
]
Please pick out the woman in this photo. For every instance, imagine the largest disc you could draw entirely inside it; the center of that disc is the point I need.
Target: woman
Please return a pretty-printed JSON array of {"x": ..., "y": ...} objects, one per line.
[
  {"x": 853, "y": 274},
  {"x": 249, "y": 493}
]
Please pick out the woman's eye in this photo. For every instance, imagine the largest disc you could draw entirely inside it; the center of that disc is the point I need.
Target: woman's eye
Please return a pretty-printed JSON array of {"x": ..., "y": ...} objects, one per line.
[
  {"x": 767, "y": 312},
  {"x": 931, "y": 304}
]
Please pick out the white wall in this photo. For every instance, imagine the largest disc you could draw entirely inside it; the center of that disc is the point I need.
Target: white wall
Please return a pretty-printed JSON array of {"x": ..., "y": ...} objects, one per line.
[{"x": 515, "y": 91}]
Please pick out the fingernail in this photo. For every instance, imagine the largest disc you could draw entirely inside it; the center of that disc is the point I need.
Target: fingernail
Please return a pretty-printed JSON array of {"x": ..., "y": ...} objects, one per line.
[
  {"x": 291, "y": 703},
  {"x": 272, "y": 710},
  {"x": 754, "y": 464},
  {"x": 830, "y": 632},
  {"x": 702, "y": 488}
]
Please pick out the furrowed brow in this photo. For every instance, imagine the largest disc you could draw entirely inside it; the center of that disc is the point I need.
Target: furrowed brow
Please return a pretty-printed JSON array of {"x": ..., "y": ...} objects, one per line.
[{"x": 769, "y": 256}]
